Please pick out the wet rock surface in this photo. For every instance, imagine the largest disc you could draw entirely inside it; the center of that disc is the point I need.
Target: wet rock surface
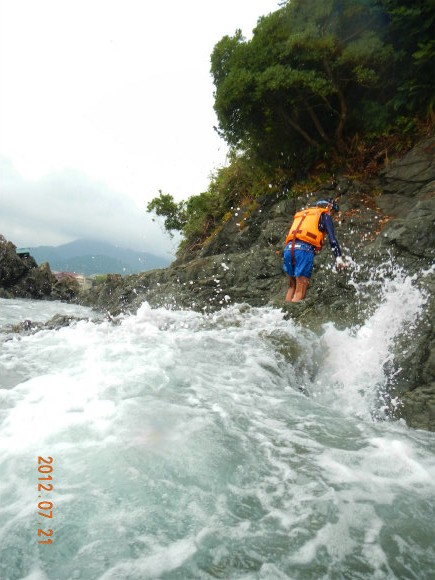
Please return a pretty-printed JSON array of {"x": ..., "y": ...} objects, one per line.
[
  {"x": 21, "y": 277},
  {"x": 27, "y": 327},
  {"x": 385, "y": 223}
]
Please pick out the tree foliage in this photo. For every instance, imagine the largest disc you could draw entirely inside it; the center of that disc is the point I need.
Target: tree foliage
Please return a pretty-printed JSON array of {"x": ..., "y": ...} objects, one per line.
[
  {"x": 236, "y": 184},
  {"x": 295, "y": 84},
  {"x": 174, "y": 213},
  {"x": 316, "y": 78},
  {"x": 412, "y": 33}
]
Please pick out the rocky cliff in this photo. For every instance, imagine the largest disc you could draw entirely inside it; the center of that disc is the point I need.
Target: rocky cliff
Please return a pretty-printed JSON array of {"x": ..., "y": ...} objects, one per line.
[
  {"x": 21, "y": 277},
  {"x": 386, "y": 223}
]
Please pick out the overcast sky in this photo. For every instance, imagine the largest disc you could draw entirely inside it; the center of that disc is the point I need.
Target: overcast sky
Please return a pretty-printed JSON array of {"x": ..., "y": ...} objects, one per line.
[{"x": 103, "y": 103}]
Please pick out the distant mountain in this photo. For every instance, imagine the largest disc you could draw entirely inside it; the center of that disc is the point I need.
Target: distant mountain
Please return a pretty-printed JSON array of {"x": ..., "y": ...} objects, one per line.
[{"x": 94, "y": 257}]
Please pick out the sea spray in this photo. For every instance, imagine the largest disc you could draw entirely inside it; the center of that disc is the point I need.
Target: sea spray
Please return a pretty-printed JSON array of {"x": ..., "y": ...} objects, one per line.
[
  {"x": 353, "y": 376},
  {"x": 229, "y": 445}
]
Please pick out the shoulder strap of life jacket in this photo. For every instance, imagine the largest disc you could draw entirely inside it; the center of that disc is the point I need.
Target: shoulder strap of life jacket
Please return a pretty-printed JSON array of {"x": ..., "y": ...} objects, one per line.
[{"x": 296, "y": 230}]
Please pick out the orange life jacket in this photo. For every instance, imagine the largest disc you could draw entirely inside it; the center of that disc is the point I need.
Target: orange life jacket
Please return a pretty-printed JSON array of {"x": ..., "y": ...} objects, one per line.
[{"x": 305, "y": 227}]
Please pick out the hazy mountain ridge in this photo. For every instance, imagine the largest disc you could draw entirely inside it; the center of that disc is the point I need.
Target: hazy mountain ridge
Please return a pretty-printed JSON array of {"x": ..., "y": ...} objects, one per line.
[{"x": 96, "y": 257}]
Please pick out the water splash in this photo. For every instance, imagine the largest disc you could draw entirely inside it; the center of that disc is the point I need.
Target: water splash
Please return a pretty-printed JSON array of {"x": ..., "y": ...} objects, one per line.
[
  {"x": 355, "y": 373},
  {"x": 184, "y": 448}
]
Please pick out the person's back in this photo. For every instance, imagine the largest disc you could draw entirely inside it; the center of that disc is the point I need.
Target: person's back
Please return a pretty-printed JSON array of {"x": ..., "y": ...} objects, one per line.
[{"x": 304, "y": 240}]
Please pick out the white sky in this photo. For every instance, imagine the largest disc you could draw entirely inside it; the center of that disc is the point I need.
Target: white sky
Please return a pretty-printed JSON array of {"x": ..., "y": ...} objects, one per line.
[{"x": 103, "y": 103}]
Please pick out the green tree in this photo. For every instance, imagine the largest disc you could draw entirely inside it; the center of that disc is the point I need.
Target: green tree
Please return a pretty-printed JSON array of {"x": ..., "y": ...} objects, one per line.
[
  {"x": 303, "y": 78},
  {"x": 174, "y": 213},
  {"x": 236, "y": 184},
  {"x": 315, "y": 74},
  {"x": 412, "y": 33}
]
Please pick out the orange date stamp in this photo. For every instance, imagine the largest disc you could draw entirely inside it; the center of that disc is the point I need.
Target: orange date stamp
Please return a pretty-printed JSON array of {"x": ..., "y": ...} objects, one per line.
[{"x": 45, "y": 507}]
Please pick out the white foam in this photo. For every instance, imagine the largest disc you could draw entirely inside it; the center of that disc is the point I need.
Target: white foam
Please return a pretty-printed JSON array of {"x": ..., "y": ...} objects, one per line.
[
  {"x": 183, "y": 445},
  {"x": 353, "y": 373}
]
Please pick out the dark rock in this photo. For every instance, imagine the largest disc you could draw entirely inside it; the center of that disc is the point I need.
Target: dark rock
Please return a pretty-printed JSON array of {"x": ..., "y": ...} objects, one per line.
[
  {"x": 21, "y": 277},
  {"x": 58, "y": 321},
  {"x": 12, "y": 267},
  {"x": 386, "y": 222}
]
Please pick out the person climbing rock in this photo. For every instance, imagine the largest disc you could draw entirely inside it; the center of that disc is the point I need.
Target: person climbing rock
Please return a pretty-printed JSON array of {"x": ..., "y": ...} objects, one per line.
[{"x": 304, "y": 240}]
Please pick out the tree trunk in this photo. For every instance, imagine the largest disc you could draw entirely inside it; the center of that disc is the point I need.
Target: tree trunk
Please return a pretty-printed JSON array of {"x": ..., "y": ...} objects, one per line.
[
  {"x": 317, "y": 124},
  {"x": 341, "y": 146},
  {"x": 312, "y": 142}
]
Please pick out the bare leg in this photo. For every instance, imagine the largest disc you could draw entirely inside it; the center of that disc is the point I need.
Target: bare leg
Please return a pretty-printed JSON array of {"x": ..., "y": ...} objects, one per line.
[
  {"x": 301, "y": 288},
  {"x": 291, "y": 288}
]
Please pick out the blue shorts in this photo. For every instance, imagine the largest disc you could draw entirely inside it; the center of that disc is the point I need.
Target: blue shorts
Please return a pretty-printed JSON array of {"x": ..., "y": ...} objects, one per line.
[{"x": 304, "y": 260}]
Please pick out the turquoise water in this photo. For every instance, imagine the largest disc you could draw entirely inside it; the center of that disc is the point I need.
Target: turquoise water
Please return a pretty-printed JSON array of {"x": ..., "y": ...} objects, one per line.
[{"x": 228, "y": 445}]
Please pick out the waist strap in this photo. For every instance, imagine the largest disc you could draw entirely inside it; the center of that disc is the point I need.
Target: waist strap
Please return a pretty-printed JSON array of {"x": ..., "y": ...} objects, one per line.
[{"x": 300, "y": 245}]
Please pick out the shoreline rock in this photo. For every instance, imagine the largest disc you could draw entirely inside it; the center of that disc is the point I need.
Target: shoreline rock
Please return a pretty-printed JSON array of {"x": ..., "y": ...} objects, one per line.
[
  {"x": 21, "y": 277},
  {"x": 386, "y": 221}
]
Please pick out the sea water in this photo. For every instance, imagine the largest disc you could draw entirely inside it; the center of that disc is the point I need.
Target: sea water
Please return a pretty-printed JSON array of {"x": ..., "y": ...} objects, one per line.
[{"x": 180, "y": 445}]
